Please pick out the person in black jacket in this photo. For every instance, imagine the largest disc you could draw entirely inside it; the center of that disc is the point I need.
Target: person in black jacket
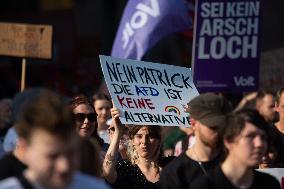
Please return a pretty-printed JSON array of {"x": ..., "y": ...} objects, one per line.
[{"x": 207, "y": 118}]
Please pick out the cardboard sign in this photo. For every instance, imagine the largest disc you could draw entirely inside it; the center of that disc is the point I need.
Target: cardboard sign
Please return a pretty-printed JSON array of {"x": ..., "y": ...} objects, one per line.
[
  {"x": 226, "y": 50},
  {"x": 149, "y": 93},
  {"x": 25, "y": 40}
]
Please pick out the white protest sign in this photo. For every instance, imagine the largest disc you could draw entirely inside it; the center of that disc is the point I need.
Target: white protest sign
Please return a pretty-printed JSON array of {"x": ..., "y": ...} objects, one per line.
[
  {"x": 25, "y": 40},
  {"x": 149, "y": 93}
]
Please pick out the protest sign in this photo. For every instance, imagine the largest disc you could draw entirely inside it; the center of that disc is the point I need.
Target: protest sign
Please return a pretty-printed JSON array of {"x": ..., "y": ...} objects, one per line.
[
  {"x": 149, "y": 93},
  {"x": 226, "y": 50},
  {"x": 25, "y": 40}
]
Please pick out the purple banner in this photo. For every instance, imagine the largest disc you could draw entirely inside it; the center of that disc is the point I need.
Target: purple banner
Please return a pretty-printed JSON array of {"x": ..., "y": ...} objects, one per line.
[
  {"x": 145, "y": 22},
  {"x": 226, "y": 51}
]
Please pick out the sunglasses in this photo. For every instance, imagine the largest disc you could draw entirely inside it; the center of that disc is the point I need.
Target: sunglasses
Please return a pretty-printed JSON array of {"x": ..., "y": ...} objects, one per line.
[{"x": 80, "y": 117}]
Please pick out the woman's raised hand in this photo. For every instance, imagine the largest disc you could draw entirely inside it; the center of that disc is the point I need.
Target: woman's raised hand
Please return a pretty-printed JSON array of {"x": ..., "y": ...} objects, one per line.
[{"x": 115, "y": 114}]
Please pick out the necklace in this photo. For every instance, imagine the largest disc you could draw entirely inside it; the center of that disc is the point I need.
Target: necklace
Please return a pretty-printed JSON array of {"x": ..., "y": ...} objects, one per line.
[{"x": 199, "y": 162}]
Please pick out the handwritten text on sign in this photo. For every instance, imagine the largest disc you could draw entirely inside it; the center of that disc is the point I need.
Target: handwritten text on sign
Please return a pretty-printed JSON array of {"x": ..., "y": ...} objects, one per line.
[
  {"x": 149, "y": 93},
  {"x": 25, "y": 40}
]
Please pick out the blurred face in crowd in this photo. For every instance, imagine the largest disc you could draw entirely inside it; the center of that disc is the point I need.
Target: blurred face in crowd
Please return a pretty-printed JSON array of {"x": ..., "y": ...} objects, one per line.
[
  {"x": 85, "y": 120},
  {"x": 267, "y": 108},
  {"x": 208, "y": 136},
  {"x": 51, "y": 160},
  {"x": 102, "y": 108},
  {"x": 123, "y": 140},
  {"x": 280, "y": 107},
  {"x": 146, "y": 145},
  {"x": 268, "y": 159},
  {"x": 248, "y": 147}
]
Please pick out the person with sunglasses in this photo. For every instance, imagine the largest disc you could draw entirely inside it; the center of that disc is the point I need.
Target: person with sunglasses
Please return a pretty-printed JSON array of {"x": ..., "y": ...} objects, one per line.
[
  {"x": 86, "y": 124},
  {"x": 85, "y": 116}
]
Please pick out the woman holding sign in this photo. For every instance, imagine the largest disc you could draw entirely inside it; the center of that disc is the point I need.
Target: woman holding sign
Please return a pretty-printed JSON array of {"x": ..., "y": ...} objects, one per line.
[{"x": 143, "y": 169}]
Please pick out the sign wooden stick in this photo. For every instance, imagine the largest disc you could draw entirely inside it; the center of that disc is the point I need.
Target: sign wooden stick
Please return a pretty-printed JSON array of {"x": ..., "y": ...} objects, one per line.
[{"x": 23, "y": 74}]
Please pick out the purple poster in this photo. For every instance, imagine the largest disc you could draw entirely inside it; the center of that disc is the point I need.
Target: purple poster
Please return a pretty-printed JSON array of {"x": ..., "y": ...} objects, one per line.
[{"x": 226, "y": 51}]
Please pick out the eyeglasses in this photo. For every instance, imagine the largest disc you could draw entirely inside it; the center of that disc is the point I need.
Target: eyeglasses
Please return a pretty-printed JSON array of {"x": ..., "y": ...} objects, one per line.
[{"x": 80, "y": 117}]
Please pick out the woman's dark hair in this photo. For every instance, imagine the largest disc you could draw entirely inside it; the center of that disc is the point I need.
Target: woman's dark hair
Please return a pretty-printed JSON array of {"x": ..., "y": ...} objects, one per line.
[
  {"x": 82, "y": 99},
  {"x": 100, "y": 96},
  {"x": 154, "y": 131},
  {"x": 90, "y": 162}
]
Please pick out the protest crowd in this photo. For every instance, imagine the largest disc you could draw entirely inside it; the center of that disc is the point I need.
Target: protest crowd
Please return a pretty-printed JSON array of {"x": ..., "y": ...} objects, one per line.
[
  {"x": 158, "y": 126},
  {"x": 57, "y": 144}
]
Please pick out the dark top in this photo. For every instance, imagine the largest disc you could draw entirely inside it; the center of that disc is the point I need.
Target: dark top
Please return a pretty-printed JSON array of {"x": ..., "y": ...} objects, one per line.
[
  {"x": 130, "y": 176},
  {"x": 277, "y": 140},
  {"x": 3, "y": 133},
  {"x": 10, "y": 166},
  {"x": 217, "y": 180},
  {"x": 180, "y": 172}
]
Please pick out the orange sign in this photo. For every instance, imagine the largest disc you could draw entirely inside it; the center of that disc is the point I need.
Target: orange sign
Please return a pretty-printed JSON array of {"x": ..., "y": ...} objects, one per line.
[{"x": 25, "y": 40}]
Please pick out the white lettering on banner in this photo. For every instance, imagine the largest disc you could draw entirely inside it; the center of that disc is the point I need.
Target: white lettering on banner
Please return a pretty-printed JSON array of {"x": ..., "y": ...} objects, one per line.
[
  {"x": 228, "y": 30},
  {"x": 241, "y": 9},
  {"x": 234, "y": 47},
  {"x": 229, "y": 26},
  {"x": 233, "y": 9},
  {"x": 244, "y": 82},
  {"x": 139, "y": 19},
  {"x": 212, "y": 9}
]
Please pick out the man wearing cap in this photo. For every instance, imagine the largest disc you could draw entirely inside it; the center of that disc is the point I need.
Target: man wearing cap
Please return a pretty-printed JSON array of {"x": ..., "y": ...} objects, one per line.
[{"x": 207, "y": 117}]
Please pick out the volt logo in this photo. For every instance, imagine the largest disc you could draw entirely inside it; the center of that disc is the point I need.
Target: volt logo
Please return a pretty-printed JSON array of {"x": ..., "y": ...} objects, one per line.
[
  {"x": 244, "y": 82},
  {"x": 139, "y": 19}
]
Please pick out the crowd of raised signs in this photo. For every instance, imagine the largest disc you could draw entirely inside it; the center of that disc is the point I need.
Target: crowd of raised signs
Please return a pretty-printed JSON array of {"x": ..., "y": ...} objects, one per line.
[{"x": 51, "y": 141}]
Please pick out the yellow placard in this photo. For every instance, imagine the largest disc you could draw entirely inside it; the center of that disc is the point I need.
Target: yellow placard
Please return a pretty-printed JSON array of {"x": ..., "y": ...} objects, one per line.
[{"x": 26, "y": 40}]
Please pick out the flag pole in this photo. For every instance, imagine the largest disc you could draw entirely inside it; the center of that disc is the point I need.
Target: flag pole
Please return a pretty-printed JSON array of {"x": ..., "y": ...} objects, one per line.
[{"x": 23, "y": 78}]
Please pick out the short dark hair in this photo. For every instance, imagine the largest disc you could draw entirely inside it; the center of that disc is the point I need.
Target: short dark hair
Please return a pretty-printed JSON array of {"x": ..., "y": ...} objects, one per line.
[
  {"x": 100, "y": 96},
  {"x": 262, "y": 93},
  {"x": 236, "y": 123},
  {"x": 49, "y": 112},
  {"x": 278, "y": 95}
]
